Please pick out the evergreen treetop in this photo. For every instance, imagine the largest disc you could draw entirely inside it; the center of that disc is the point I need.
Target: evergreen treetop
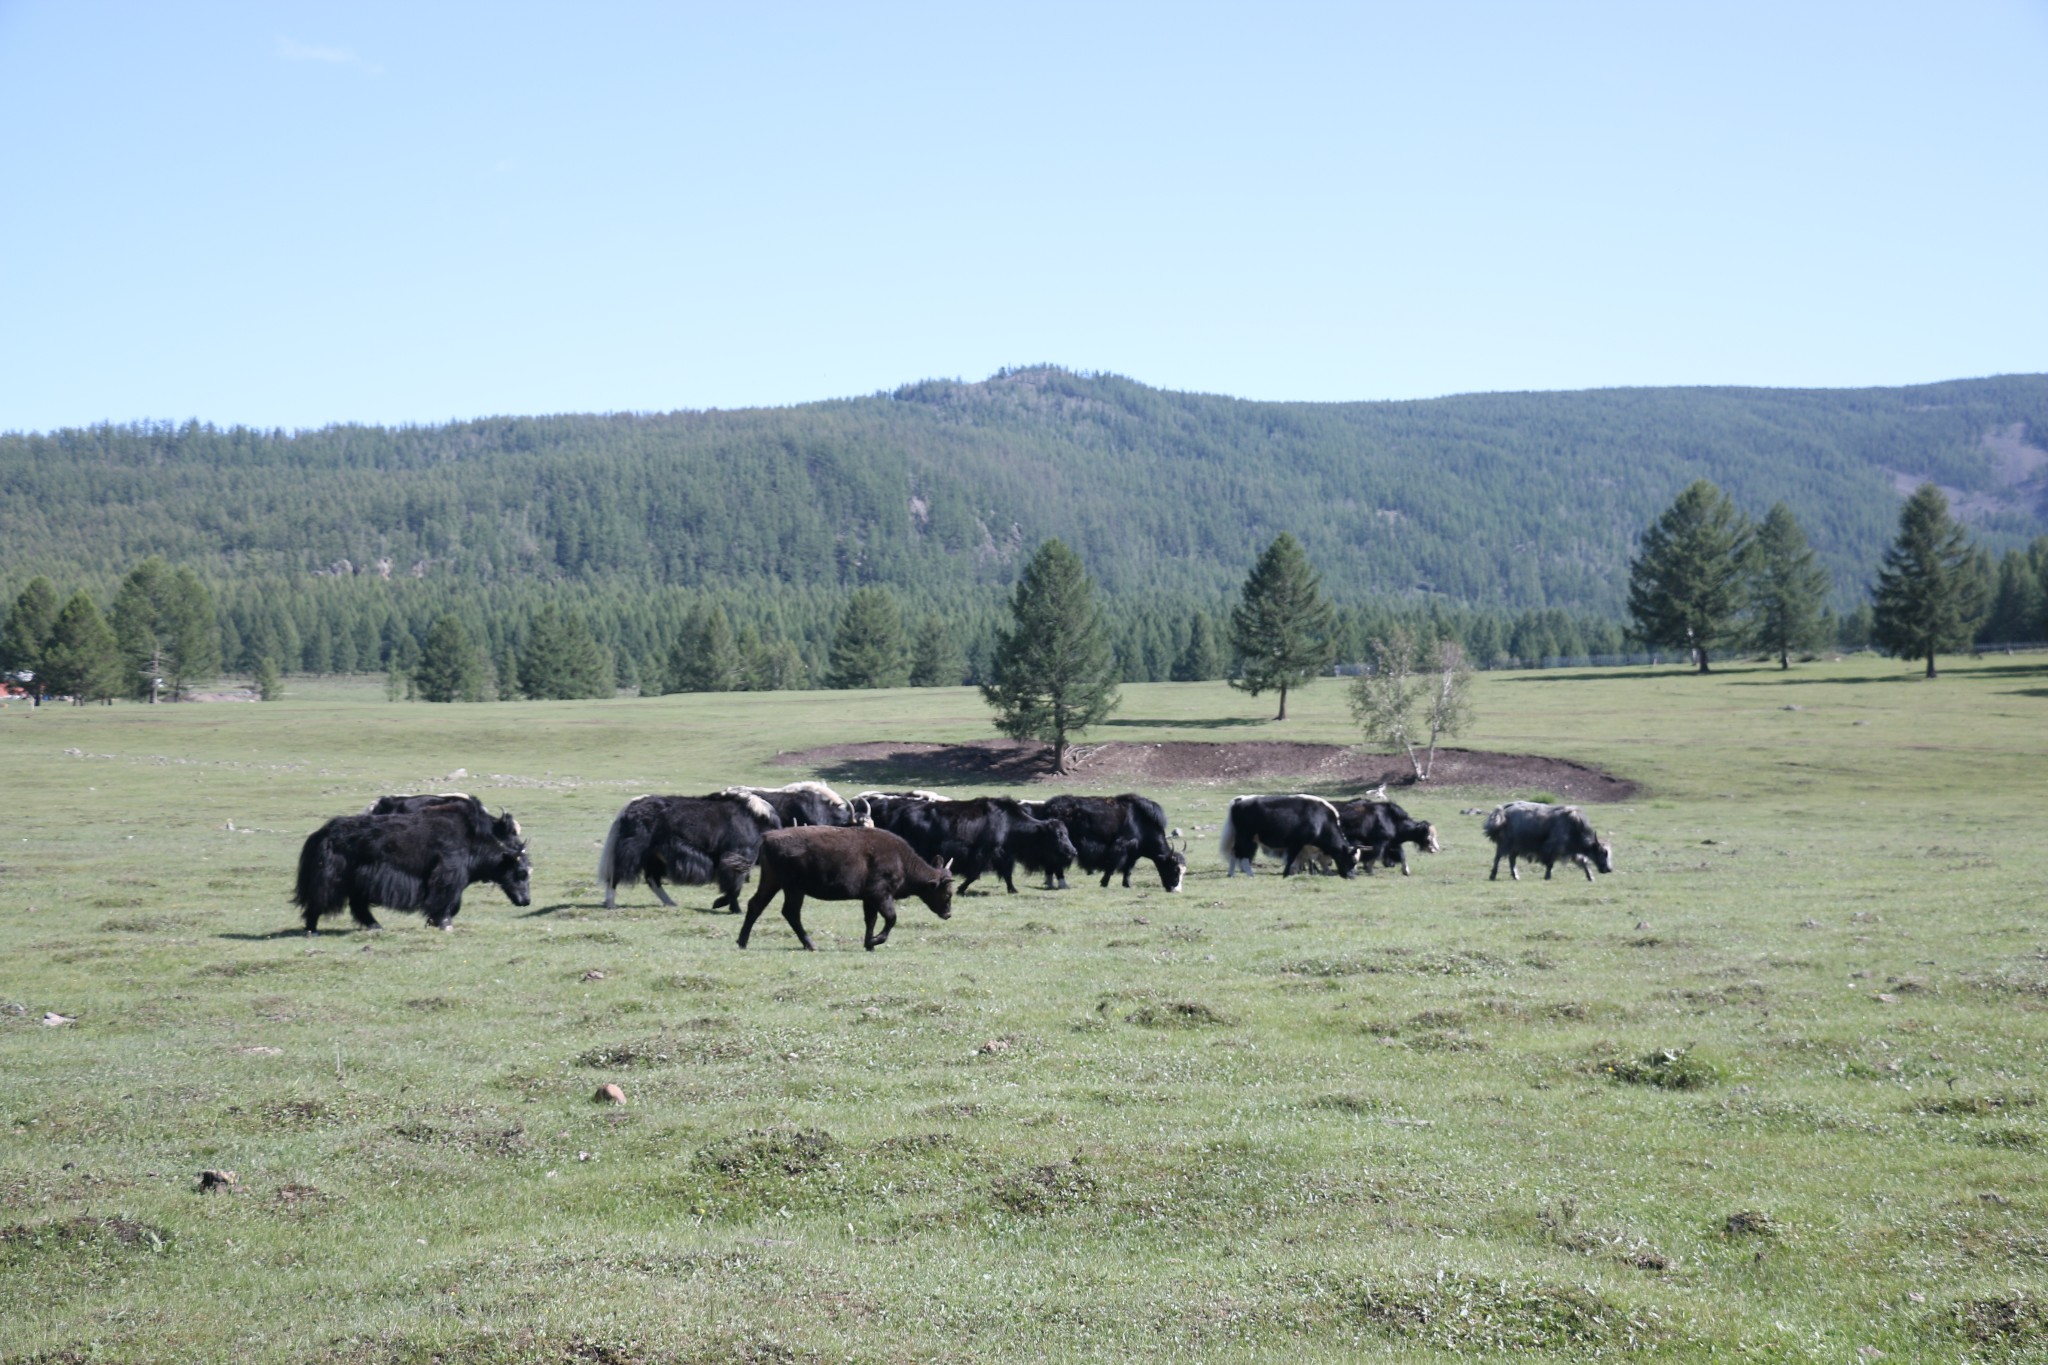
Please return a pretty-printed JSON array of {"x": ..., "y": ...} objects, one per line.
[
  {"x": 1685, "y": 588},
  {"x": 1054, "y": 670},
  {"x": 1281, "y": 626}
]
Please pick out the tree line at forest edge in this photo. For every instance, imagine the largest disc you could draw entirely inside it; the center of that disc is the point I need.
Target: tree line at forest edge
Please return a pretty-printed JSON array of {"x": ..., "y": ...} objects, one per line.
[{"x": 1705, "y": 580}]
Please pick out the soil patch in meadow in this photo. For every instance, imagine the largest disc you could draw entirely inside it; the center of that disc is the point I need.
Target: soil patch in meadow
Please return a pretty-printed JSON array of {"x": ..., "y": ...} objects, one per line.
[{"x": 894, "y": 763}]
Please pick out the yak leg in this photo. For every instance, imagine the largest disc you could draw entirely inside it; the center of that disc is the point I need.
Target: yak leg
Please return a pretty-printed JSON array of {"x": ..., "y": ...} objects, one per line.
[
  {"x": 1007, "y": 870},
  {"x": 793, "y": 911},
  {"x": 444, "y": 895},
  {"x": 763, "y": 893},
  {"x": 611, "y": 895},
  {"x": 1494, "y": 875},
  {"x": 1585, "y": 865},
  {"x": 358, "y": 907},
  {"x": 654, "y": 885},
  {"x": 883, "y": 905},
  {"x": 1293, "y": 856},
  {"x": 730, "y": 882}
]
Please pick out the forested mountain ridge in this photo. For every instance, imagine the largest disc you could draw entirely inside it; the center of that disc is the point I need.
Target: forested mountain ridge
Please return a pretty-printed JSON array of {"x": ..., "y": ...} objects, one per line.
[{"x": 1506, "y": 500}]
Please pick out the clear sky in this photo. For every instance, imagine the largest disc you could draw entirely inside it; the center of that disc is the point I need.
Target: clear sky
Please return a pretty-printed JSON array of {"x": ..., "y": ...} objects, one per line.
[{"x": 293, "y": 214}]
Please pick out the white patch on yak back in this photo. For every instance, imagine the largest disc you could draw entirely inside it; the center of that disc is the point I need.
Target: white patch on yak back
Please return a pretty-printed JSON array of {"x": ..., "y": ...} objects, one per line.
[
  {"x": 756, "y": 807},
  {"x": 822, "y": 790},
  {"x": 1304, "y": 796}
]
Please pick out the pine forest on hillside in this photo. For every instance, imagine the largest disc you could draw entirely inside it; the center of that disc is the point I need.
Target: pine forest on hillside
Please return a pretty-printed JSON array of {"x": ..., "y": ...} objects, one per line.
[{"x": 339, "y": 549}]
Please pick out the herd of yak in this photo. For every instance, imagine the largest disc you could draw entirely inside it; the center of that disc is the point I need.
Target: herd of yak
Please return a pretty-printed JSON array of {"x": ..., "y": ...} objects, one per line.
[{"x": 422, "y": 852}]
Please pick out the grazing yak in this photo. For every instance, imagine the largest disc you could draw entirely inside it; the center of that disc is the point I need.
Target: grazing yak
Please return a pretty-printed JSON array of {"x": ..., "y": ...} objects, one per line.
[
  {"x": 802, "y": 803},
  {"x": 686, "y": 839},
  {"x": 871, "y": 866},
  {"x": 986, "y": 834},
  {"x": 419, "y": 860},
  {"x": 1383, "y": 831},
  {"x": 1285, "y": 824},
  {"x": 1110, "y": 834},
  {"x": 1529, "y": 829}
]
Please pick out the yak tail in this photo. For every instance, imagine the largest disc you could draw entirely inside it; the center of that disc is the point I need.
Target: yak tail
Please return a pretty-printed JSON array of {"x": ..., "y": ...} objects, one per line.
[
  {"x": 1228, "y": 845},
  {"x": 608, "y": 857},
  {"x": 321, "y": 871}
]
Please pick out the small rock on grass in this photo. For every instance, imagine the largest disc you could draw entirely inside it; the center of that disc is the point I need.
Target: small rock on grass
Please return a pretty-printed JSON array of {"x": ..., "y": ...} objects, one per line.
[{"x": 609, "y": 1093}]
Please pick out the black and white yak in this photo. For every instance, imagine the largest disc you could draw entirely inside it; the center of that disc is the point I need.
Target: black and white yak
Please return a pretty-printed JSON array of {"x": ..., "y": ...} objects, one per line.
[
  {"x": 1285, "y": 824},
  {"x": 862, "y": 864},
  {"x": 1110, "y": 834},
  {"x": 689, "y": 840},
  {"x": 419, "y": 860},
  {"x": 1383, "y": 831},
  {"x": 986, "y": 834},
  {"x": 1554, "y": 834},
  {"x": 802, "y": 803}
]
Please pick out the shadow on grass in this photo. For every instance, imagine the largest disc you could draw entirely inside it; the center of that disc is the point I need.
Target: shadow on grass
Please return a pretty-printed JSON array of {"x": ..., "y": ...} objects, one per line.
[
  {"x": 296, "y": 931},
  {"x": 2026, "y": 692},
  {"x": 940, "y": 768},
  {"x": 1214, "y": 723}
]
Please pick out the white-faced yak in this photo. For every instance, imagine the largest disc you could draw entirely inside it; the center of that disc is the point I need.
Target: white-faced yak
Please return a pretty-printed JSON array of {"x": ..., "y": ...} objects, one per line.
[
  {"x": 871, "y": 866},
  {"x": 422, "y": 860},
  {"x": 1529, "y": 829}
]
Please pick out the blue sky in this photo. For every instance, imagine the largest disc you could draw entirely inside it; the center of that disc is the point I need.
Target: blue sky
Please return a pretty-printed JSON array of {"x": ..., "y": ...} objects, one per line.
[{"x": 297, "y": 214}]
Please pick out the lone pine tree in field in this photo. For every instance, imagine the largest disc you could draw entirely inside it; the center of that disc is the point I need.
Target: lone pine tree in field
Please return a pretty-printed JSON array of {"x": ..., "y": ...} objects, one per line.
[
  {"x": 869, "y": 650},
  {"x": 1685, "y": 588},
  {"x": 1281, "y": 625},
  {"x": 1054, "y": 675},
  {"x": 1931, "y": 591},
  {"x": 1786, "y": 587}
]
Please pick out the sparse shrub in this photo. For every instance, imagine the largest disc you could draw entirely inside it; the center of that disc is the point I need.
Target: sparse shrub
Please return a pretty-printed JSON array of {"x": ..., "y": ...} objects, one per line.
[
  {"x": 1668, "y": 1069},
  {"x": 776, "y": 1151},
  {"x": 1045, "y": 1189},
  {"x": 1178, "y": 1014}
]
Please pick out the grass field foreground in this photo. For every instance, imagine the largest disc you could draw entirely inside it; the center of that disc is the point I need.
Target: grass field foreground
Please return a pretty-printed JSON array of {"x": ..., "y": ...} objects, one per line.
[{"x": 1771, "y": 1090}]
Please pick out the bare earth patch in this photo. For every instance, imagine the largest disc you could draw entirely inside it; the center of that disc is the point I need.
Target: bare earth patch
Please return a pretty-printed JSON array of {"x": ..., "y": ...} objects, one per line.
[{"x": 890, "y": 763}]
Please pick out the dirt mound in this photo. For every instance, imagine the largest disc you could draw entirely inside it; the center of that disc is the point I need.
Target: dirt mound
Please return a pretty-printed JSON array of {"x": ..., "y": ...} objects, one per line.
[{"x": 911, "y": 763}]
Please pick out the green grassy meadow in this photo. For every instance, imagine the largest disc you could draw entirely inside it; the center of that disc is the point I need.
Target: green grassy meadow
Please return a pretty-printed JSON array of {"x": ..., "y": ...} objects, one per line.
[{"x": 1773, "y": 1090}]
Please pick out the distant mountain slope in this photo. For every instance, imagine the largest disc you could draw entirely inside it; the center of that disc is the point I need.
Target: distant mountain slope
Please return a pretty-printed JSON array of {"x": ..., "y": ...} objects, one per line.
[{"x": 1513, "y": 500}]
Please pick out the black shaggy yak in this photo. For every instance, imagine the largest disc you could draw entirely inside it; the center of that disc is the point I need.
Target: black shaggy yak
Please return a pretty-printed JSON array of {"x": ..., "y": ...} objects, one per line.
[
  {"x": 871, "y": 866},
  {"x": 687, "y": 839},
  {"x": 1110, "y": 834},
  {"x": 986, "y": 834},
  {"x": 1554, "y": 834},
  {"x": 423, "y": 860}
]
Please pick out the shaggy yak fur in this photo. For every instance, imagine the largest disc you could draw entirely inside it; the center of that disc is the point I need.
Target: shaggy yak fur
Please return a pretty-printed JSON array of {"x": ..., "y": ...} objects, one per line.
[
  {"x": 986, "y": 834},
  {"x": 687, "y": 839},
  {"x": 1529, "y": 829},
  {"x": 423, "y": 860},
  {"x": 1110, "y": 834},
  {"x": 871, "y": 866},
  {"x": 1383, "y": 831},
  {"x": 1284, "y": 824}
]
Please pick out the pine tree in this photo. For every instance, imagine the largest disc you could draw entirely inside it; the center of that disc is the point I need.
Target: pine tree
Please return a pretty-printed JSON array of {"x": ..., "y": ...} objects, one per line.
[
  {"x": 936, "y": 660},
  {"x": 1281, "y": 627},
  {"x": 868, "y": 649},
  {"x": 1931, "y": 590},
  {"x": 268, "y": 687},
  {"x": 705, "y": 657},
  {"x": 562, "y": 659},
  {"x": 451, "y": 667},
  {"x": 168, "y": 631},
  {"x": 1054, "y": 672},
  {"x": 1786, "y": 587},
  {"x": 1202, "y": 659},
  {"x": 82, "y": 659},
  {"x": 1685, "y": 588},
  {"x": 25, "y": 635}
]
